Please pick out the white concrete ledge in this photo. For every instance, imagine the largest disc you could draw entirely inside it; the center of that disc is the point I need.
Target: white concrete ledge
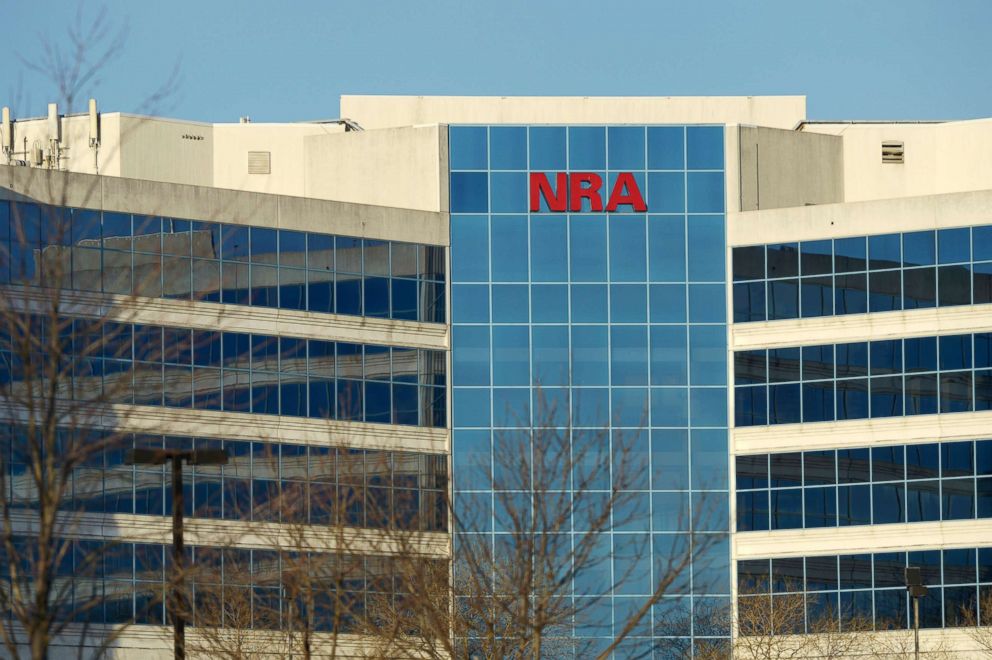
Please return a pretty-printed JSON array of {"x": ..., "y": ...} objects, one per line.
[
  {"x": 861, "y": 432},
  {"x": 863, "y": 539},
  {"x": 238, "y": 318},
  {"x": 808, "y": 223},
  {"x": 123, "y": 527},
  {"x": 246, "y": 426},
  {"x": 861, "y": 327}
]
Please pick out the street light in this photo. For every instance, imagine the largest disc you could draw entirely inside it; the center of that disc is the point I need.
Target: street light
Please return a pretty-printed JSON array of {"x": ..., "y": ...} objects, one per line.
[
  {"x": 150, "y": 456},
  {"x": 914, "y": 585}
]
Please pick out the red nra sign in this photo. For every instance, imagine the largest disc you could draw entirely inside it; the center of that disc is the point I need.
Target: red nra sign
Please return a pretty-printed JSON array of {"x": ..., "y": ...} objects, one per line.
[{"x": 572, "y": 187}]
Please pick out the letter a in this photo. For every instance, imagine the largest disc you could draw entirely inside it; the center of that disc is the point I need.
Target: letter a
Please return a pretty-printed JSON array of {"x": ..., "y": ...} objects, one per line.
[{"x": 625, "y": 191}]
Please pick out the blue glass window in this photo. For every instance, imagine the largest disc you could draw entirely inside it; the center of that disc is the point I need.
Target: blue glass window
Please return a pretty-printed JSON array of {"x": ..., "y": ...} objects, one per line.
[
  {"x": 468, "y": 147},
  {"x": 704, "y": 192},
  {"x": 587, "y": 148},
  {"x": 704, "y": 146},
  {"x": 626, "y": 148},
  {"x": 706, "y": 249},
  {"x": 508, "y": 148},
  {"x": 547, "y": 148},
  {"x": 668, "y": 303},
  {"x": 666, "y": 192},
  {"x": 587, "y": 242},
  {"x": 627, "y": 248},
  {"x": 919, "y": 248},
  {"x": 469, "y": 192},
  {"x": 666, "y": 148},
  {"x": 666, "y": 248},
  {"x": 548, "y": 248},
  {"x": 508, "y": 191}
]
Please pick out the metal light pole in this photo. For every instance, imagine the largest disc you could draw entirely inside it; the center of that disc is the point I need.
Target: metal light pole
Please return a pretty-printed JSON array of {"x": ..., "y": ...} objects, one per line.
[
  {"x": 149, "y": 456},
  {"x": 914, "y": 585}
]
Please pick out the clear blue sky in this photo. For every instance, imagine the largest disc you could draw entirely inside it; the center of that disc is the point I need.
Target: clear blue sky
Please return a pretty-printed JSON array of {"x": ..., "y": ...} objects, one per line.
[{"x": 291, "y": 60}]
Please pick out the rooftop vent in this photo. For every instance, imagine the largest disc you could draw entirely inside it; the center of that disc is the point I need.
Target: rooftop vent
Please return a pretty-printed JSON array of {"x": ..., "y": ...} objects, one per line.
[
  {"x": 893, "y": 152},
  {"x": 259, "y": 162}
]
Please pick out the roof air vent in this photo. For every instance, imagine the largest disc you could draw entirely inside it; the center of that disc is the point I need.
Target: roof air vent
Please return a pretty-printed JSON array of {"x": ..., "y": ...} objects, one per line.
[
  {"x": 259, "y": 162},
  {"x": 893, "y": 152}
]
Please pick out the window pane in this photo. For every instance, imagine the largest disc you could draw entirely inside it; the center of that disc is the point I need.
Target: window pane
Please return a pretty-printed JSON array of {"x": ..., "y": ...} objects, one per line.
[
  {"x": 508, "y": 147},
  {"x": 954, "y": 245},
  {"x": 849, "y": 254},
  {"x": 468, "y": 147},
  {"x": 920, "y": 288},
  {"x": 819, "y": 467},
  {"x": 850, "y": 294},
  {"x": 750, "y": 367},
  {"x": 749, "y": 302},
  {"x": 921, "y": 394},
  {"x": 783, "y": 260},
  {"x": 918, "y": 248},
  {"x": 884, "y": 252},
  {"x": 954, "y": 285},
  {"x": 816, "y": 257},
  {"x": 817, "y": 296},
  {"x": 783, "y": 299},
  {"x": 885, "y": 290},
  {"x": 752, "y": 471},
  {"x": 921, "y": 354},
  {"x": 749, "y": 262}
]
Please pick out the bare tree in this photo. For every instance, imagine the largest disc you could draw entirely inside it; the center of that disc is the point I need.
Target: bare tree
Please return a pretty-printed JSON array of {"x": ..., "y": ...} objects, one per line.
[
  {"x": 783, "y": 626},
  {"x": 977, "y": 619},
  {"x": 521, "y": 593},
  {"x": 64, "y": 368},
  {"x": 335, "y": 527}
]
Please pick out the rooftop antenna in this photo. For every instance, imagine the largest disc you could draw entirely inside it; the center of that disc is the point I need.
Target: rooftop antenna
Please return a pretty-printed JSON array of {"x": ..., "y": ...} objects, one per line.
[
  {"x": 54, "y": 133},
  {"x": 6, "y": 133},
  {"x": 94, "y": 124}
]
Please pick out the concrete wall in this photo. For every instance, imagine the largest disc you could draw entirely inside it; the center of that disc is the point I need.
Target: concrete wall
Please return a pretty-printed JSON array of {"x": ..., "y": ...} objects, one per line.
[
  {"x": 76, "y": 153},
  {"x": 207, "y": 203},
  {"x": 166, "y": 150},
  {"x": 388, "y": 111},
  {"x": 401, "y": 167},
  {"x": 939, "y": 157},
  {"x": 860, "y": 218},
  {"x": 780, "y": 168},
  {"x": 284, "y": 142}
]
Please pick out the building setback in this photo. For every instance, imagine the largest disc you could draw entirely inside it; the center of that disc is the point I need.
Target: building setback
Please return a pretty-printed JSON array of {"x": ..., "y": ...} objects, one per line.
[{"x": 782, "y": 325}]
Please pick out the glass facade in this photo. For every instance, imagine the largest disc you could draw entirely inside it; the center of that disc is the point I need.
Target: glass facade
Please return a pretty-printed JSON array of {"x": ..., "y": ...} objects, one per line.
[
  {"x": 157, "y": 257},
  {"x": 102, "y": 359},
  {"x": 865, "y": 486},
  {"x": 128, "y": 584},
  {"x": 240, "y": 372},
  {"x": 873, "y": 586},
  {"x": 876, "y": 273},
  {"x": 609, "y": 325},
  {"x": 858, "y": 380},
  {"x": 262, "y": 481}
]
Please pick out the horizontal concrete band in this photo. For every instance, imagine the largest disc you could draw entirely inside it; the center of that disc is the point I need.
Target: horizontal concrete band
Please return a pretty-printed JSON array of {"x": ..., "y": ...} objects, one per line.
[
  {"x": 245, "y": 426},
  {"x": 861, "y": 432},
  {"x": 863, "y": 539},
  {"x": 807, "y": 223},
  {"x": 237, "y": 318},
  {"x": 145, "y": 642},
  {"x": 861, "y": 327},
  {"x": 219, "y": 205},
  {"x": 122, "y": 527}
]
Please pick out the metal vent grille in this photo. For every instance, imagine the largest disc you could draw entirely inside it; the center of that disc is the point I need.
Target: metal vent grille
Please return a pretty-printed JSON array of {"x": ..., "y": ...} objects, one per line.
[
  {"x": 893, "y": 152},
  {"x": 259, "y": 162}
]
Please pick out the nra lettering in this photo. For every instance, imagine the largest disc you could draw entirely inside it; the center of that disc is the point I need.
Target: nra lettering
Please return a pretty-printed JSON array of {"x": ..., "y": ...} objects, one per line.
[{"x": 572, "y": 187}]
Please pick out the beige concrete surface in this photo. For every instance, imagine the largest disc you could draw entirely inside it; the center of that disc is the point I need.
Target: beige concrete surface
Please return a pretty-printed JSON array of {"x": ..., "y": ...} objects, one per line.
[{"x": 390, "y": 111}]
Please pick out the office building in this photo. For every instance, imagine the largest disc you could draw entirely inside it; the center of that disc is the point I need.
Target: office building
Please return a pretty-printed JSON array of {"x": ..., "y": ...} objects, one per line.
[{"x": 784, "y": 322}]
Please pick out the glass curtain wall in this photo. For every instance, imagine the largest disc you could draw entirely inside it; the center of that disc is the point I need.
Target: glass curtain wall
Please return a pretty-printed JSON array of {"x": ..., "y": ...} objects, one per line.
[{"x": 610, "y": 325}]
